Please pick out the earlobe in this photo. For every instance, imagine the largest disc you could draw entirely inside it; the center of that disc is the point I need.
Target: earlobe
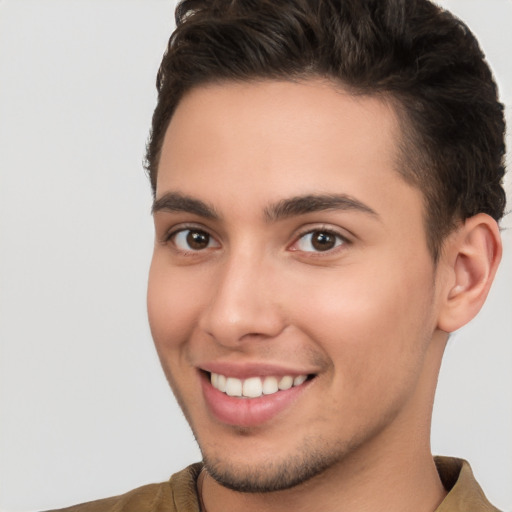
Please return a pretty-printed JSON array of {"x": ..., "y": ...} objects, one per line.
[{"x": 472, "y": 254}]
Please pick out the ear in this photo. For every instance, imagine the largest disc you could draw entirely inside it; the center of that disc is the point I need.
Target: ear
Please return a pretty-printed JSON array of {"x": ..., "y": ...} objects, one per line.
[{"x": 471, "y": 257}]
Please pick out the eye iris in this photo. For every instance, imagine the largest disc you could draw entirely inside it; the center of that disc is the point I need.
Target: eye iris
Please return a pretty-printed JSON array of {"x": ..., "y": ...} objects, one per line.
[
  {"x": 198, "y": 240},
  {"x": 322, "y": 241}
]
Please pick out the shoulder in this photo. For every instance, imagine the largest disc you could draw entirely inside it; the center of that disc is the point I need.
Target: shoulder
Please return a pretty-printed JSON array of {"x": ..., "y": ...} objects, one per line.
[
  {"x": 464, "y": 493},
  {"x": 176, "y": 495}
]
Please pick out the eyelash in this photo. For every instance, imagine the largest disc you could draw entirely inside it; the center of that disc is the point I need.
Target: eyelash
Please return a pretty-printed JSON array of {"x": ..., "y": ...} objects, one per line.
[{"x": 340, "y": 240}]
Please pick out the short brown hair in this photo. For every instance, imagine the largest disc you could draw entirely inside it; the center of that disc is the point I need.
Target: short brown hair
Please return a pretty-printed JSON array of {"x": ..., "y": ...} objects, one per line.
[{"x": 412, "y": 52}]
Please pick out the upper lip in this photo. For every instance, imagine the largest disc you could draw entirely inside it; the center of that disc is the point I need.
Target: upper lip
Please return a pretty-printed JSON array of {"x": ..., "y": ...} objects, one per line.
[{"x": 246, "y": 370}]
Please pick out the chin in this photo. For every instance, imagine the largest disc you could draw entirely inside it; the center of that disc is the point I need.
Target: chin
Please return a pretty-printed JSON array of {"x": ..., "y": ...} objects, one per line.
[{"x": 281, "y": 473}]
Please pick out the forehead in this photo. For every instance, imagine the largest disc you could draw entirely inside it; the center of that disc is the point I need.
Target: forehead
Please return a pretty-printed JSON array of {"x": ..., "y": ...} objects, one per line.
[
  {"x": 283, "y": 114},
  {"x": 271, "y": 140}
]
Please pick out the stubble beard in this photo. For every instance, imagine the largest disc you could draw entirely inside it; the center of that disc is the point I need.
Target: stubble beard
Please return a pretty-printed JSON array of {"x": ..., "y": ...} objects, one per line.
[
  {"x": 315, "y": 456},
  {"x": 312, "y": 458},
  {"x": 279, "y": 474}
]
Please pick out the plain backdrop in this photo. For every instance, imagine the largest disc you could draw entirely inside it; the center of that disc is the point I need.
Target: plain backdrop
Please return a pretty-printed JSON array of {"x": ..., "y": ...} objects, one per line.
[{"x": 85, "y": 411}]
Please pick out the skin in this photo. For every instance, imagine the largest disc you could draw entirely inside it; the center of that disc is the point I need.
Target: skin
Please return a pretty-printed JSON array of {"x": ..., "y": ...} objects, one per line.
[{"x": 368, "y": 318}]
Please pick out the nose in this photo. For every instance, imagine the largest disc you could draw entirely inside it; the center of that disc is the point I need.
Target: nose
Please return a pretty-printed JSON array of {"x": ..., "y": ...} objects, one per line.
[{"x": 244, "y": 303}]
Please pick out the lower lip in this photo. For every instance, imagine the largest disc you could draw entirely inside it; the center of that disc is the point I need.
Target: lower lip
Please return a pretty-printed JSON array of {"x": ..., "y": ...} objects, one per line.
[{"x": 248, "y": 412}]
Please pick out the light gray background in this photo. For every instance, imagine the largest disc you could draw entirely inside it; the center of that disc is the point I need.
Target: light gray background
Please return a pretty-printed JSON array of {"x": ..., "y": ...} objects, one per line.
[{"x": 85, "y": 410}]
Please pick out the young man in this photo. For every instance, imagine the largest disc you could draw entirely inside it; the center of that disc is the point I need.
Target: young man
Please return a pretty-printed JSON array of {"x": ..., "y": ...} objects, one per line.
[{"x": 327, "y": 182}]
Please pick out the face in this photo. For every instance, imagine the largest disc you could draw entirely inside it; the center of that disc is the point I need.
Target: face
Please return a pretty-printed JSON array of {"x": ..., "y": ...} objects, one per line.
[{"x": 291, "y": 294}]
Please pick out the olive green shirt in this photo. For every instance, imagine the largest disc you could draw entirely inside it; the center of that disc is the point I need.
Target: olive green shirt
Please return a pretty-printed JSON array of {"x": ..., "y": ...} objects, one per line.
[{"x": 179, "y": 494}]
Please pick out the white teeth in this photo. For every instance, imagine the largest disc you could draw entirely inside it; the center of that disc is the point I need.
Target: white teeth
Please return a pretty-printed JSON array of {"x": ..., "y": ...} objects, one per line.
[
  {"x": 299, "y": 380},
  {"x": 254, "y": 387},
  {"x": 270, "y": 386},
  {"x": 233, "y": 387},
  {"x": 221, "y": 383},
  {"x": 285, "y": 383}
]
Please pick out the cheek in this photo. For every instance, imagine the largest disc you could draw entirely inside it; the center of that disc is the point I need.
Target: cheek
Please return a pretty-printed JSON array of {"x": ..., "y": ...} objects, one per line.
[
  {"x": 173, "y": 301},
  {"x": 370, "y": 320}
]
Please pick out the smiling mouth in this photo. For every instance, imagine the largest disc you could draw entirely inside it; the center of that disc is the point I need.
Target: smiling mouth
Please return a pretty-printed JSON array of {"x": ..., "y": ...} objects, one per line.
[{"x": 256, "y": 387}]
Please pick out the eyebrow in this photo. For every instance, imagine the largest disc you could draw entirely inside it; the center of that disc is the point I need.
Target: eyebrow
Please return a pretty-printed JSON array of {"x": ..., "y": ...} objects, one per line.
[
  {"x": 302, "y": 205},
  {"x": 176, "y": 202},
  {"x": 286, "y": 208}
]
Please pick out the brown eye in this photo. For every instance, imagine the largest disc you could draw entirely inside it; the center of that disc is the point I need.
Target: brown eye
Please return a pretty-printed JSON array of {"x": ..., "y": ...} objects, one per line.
[
  {"x": 193, "y": 240},
  {"x": 323, "y": 241},
  {"x": 198, "y": 240},
  {"x": 319, "y": 241}
]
